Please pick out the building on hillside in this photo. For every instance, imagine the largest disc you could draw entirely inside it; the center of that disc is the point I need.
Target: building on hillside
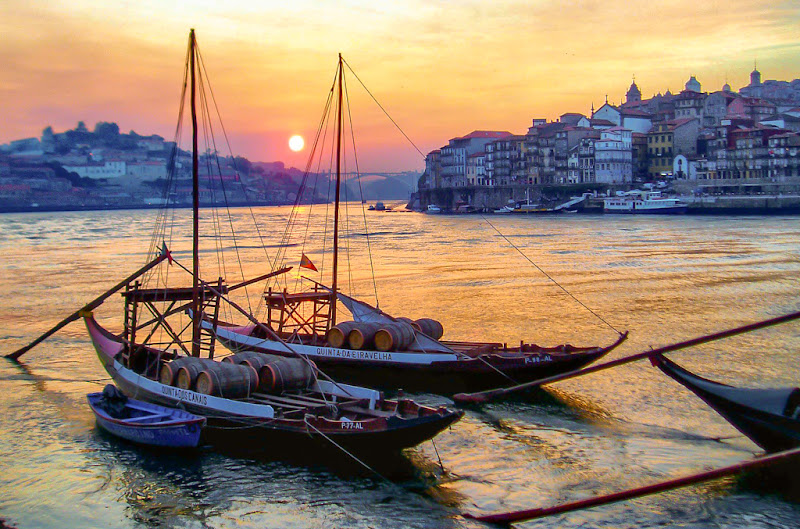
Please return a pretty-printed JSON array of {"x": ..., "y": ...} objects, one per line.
[
  {"x": 574, "y": 166},
  {"x": 690, "y": 104},
  {"x": 667, "y": 140},
  {"x": 111, "y": 169},
  {"x": 575, "y": 119},
  {"x": 715, "y": 107},
  {"x": 783, "y": 121},
  {"x": 784, "y": 156},
  {"x": 747, "y": 156},
  {"x": 755, "y": 88},
  {"x": 632, "y": 119},
  {"x": 152, "y": 143},
  {"x": 152, "y": 170},
  {"x": 639, "y": 156},
  {"x": 453, "y": 157},
  {"x": 752, "y": 108},
  {"x": 586, "y": 160},
  {"x": 693, "y": 168},
  {"x": 634, "y": 95},
  {"x": 476, "y": 169},
  {"x": 566, "y": 139},
  {"x": 28, "y": 147},
  {"x": 505, "y": 160},
  {"x": 431, "y": 178},
  {"x": 613, "y": 157}
]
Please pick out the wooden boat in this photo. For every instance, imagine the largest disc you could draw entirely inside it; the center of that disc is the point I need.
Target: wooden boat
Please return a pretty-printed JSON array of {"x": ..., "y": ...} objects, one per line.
[
  {"x": 143, "y": 422},
  {"x": 374, "y": 346},
  {"x": 153, "y": 361},
  {"x": 769, "y": 417},
  {"x": 426, "y": 364}
]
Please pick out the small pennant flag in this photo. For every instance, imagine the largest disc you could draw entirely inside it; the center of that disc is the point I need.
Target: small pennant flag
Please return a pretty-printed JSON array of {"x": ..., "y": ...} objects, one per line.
[
  {"x": 305, "y": 262},
  {"x": 167, "y": 253}
]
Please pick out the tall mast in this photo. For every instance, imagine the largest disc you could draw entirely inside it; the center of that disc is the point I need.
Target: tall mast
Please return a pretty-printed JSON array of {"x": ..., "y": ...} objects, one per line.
[
  {"x": 195, "y": 210},
  {"x": 336, "y": 203}
]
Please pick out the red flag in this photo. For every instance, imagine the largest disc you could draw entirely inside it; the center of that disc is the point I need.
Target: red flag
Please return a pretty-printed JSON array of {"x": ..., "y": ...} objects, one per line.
[
  {"x": 305, "y": 262},
  {"x": 167, "y": 253}
]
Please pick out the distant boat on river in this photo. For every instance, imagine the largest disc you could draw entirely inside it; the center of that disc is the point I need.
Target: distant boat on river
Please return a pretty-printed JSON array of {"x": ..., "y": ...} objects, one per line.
[{"x": 650, "y": 202}]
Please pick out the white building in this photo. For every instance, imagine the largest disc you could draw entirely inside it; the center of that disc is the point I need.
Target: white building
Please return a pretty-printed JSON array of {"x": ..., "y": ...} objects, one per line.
[
  {"x": 613, "y": 156},
  {"x": 99, "y": 171},
  {"x": 631, "y": 119}
]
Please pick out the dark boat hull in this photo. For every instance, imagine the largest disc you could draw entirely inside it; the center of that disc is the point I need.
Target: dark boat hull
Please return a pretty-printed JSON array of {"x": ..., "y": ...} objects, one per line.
[
  {"x": 443, "y": 374},
  {"x": 242, "y": 431},
  {"x": 768, "y": 424},
  {"x": 446, "y": 378}
]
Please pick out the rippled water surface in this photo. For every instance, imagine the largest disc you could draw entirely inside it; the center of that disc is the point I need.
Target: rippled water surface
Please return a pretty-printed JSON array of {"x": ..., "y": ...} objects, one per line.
[{"x": 662, "y": 279}]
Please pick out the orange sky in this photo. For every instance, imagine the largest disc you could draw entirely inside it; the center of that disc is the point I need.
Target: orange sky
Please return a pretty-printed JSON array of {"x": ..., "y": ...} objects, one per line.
[{"x": 440, "y": 68}]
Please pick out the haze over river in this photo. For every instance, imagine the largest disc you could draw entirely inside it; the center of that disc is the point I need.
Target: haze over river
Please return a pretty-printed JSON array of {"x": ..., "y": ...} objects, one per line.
[{"x": 664, "y": 279}]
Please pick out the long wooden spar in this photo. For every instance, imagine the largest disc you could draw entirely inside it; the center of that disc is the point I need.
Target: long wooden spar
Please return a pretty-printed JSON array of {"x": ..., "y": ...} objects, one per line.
[
  {"x": 485, "y": 396},
  {"x": 89, "y": 306},
  {"x": 507, "y": 518}
]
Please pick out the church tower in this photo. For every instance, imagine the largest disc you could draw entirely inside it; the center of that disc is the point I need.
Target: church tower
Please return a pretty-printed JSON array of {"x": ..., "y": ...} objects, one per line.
[
  {"x": 634, "y": 94},
  {"x": 755, "y": 77}
]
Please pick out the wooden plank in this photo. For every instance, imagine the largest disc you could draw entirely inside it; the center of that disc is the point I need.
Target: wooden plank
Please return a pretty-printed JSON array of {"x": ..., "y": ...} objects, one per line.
[{"x": 153, "y": 295}]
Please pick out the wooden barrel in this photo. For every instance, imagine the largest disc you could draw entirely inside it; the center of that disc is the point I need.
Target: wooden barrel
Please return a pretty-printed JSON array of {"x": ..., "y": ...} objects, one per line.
[
  {"x": 363, "y": 335},
  {"x": 286, "y": 374},
  {"x": 228, "y": 380},
  {"x": 252, "y": 359},
  {"x": 337, "y": 336},
  {"x": 394, "y": 336},
  {"x": 188, "y": 372},
  {"x": 169, "y": 371},
  {"x": 430, "y": 327},
  {"x": 411, "y": 322}
]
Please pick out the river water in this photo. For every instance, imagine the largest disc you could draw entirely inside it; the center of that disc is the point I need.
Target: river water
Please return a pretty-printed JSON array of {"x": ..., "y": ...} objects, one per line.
[{"x": 663, "y": 279}]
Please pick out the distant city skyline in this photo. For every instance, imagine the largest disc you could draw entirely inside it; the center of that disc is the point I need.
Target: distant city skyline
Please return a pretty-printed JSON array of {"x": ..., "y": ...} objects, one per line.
[{"x": 441, "y": 69}]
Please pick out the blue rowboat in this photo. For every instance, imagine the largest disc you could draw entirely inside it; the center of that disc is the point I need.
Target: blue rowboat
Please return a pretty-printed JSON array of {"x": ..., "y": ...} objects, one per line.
[{"x": 144, "y": 423}]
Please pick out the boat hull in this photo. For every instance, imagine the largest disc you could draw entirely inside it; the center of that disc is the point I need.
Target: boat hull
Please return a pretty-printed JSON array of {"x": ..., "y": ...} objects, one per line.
[
  {"x": 676, "y": 210},
  {"x": 249, "y": 427},
  {"x": 441, "y": 373},
  {"x": 175, "y": 432},
  {"x": 768, "y": 425}
]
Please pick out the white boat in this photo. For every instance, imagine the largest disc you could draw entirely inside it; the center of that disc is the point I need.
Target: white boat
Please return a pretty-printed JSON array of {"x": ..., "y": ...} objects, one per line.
[
  {"x": 504, "y": 210},
  {"x": 648, "y": 202},
  {"x": 433, "y": 208}
]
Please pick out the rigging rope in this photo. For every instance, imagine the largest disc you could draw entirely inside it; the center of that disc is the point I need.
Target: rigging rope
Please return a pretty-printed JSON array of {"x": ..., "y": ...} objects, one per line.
[
  {"x": 549, "y": 277},
  {"x": 383, "y": 109}
]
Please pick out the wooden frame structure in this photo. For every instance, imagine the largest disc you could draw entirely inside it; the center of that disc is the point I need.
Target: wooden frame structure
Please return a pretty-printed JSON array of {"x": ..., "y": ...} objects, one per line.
[
  {"x": 161, "y": 303},
  {"x": 303, "y": 314}
]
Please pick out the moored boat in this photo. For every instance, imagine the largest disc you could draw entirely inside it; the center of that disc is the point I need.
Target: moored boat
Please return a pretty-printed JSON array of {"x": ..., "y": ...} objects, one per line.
[
  {"x": 419, "y": 361},
  {"x": 650, "y": 202},
  {"x": 161, "y": 359},
  {"x": 144, "y": 423},
  {"x": 371, "y": 346},
  {"x": 770, "y": 417}
]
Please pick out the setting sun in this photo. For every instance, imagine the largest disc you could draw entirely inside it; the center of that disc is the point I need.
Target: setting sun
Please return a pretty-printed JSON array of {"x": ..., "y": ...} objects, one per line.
[{"x": 296, "y": 143}]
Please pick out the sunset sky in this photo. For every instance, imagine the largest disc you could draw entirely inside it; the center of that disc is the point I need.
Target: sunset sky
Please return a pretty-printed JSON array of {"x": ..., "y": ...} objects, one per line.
[{"x": 440, "y": 68}]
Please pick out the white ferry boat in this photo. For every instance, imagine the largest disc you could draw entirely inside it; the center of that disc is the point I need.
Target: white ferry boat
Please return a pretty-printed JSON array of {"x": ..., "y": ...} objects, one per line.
[{"x": 651, "y": 202}]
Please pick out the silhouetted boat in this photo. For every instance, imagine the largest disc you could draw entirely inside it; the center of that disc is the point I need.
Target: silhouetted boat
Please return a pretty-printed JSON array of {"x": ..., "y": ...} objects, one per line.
[{"x": 769, "y": 417}]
